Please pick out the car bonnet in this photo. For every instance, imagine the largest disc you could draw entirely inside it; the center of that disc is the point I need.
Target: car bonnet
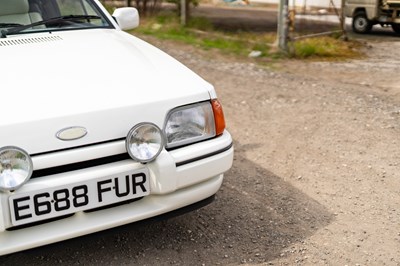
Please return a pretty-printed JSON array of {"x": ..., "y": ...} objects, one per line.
[{"x": 103, "y": 80}]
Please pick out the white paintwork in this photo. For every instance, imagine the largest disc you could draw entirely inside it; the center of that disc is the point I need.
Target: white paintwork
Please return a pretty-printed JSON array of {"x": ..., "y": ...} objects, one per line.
[
  {"x": 106, "y": 81},
  {"x": 171, "y": 188},
  {"x": 126, "y": 17},
  {"x": 86, "y": 223}
]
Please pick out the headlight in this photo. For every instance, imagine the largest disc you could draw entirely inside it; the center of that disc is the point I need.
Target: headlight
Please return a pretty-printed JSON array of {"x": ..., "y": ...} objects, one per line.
[
  {"x": 15, "y": 168},
  {"x": 190, "y": 124},
  {"x": 144, "y": 142}
]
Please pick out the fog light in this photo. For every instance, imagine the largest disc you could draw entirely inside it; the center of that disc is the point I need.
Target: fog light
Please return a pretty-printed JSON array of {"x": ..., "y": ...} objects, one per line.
[
  {"x": 15, "y": 168},
  {"x": 144, "y": 142}
]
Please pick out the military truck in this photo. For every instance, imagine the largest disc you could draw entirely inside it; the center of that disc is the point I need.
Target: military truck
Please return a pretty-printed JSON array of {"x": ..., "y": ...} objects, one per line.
[{"x": 366, "y": 13}]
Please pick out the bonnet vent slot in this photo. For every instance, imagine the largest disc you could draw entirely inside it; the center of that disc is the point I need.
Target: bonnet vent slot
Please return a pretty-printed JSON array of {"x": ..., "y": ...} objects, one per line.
[{"x": 13, "y": 42}]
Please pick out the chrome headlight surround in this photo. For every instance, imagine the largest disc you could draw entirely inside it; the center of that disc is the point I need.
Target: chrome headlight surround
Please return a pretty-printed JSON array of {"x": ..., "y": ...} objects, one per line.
[
  {"x": 16, "y": 168},
  {"x": 144, "y": 142},
  {"x": 189, "y": 124}
]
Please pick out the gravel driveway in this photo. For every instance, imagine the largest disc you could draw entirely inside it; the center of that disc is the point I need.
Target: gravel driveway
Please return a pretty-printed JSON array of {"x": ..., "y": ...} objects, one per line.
[{"x": 315, "y": 177}]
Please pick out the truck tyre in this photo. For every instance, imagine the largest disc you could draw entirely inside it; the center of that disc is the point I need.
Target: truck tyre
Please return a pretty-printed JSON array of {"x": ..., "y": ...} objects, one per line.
[
  {"x": 396, "y": 28},
  {"x": 361, "y": 24}
]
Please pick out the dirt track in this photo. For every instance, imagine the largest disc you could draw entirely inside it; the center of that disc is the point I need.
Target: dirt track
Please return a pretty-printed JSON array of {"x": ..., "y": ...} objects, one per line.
[
  {"x": 260, "y": 19},
  {"x": 315, "y": 179}
]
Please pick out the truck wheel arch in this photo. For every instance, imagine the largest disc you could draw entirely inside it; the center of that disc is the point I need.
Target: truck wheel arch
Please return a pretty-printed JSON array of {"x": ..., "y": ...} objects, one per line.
[{"x": 359, "y": 10}]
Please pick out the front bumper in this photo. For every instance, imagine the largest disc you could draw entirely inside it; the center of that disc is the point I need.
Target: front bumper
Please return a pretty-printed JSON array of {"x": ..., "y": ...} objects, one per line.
[{"x": 178, "y": 178}]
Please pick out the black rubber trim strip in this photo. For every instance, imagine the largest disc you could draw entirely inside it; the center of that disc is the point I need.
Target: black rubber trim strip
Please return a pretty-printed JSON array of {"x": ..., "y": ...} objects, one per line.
[
  {"x": 113, "y": 205},
  {"x": 110, "y": 159},
  {"x": 204, "y": 156},
  {"x": 77, "y": 147},
  {"x": 19, "y": 227},
  {"x": 175, "y": 213},
  {"x": 80, "y": 165}
]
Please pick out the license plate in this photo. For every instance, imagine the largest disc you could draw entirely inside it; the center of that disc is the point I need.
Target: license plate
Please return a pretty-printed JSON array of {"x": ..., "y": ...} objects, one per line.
[{"x": 52, "y": 202}]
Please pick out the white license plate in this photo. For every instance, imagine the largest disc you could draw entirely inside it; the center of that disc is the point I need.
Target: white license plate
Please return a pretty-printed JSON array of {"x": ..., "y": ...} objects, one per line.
[{"x": 62, "y": 200}]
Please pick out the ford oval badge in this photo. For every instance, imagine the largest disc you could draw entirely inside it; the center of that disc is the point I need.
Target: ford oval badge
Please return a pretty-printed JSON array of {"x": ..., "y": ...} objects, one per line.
[{"x": 71, "y": 133}]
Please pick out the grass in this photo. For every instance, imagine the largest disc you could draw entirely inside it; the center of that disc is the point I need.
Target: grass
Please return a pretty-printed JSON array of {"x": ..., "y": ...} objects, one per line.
[
  {"x": 200, "y": 32},
  {"x": 324, "y": 48}
]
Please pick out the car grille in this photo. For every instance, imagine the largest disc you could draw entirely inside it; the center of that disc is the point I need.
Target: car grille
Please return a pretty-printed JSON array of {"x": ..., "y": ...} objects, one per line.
[{"x": 79, "y": 165}]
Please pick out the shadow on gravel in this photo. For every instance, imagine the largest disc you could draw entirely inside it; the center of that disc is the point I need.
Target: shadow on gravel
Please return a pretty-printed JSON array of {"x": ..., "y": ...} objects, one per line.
[
  {"x": 377, "y": 33},
  {"x": 255, "y": 218}
]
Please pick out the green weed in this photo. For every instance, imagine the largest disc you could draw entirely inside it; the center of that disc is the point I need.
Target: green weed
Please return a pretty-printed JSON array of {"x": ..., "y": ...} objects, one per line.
[
  {"x": 324, "y": 47},
  {"x": 200, "y": 32}
]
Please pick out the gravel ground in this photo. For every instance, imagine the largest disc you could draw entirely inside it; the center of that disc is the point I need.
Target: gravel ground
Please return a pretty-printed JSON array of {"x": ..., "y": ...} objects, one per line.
[
  {"x": 316, "y": 158},
  {"x": 315, "y": 177}
]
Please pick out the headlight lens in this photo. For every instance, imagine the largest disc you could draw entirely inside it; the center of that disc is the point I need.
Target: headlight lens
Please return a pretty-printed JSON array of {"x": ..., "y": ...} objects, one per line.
[
  {"x": 15, "y": 168},
  {"x": 190, "y": 124},
  {"x": 144, "y": 142}
]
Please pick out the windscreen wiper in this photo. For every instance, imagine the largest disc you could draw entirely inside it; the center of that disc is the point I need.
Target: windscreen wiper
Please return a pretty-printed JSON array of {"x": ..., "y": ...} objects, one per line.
[
  {"x": 6, "y": 25},
  {"x": 18, "y": 28}
]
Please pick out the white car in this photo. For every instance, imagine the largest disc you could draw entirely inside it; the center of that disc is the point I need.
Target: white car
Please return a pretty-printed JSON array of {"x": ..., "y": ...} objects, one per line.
[{"x": 98, "y": 128}]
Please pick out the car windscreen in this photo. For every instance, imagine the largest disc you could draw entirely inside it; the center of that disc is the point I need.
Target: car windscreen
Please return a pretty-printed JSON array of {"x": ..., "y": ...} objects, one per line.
[{"x": 22, "y": 16}]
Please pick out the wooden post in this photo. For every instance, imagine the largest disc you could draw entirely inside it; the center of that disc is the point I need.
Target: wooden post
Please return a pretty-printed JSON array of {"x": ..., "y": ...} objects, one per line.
[
  {"x": 343, "y": 21},
  {"x": 183, "y": 13}
]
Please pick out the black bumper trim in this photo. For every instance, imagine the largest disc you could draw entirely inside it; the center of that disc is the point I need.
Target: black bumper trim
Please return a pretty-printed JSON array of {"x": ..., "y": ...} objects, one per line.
[
  {"x": 110, "y": 159},
  {"x": 178, "y": 212},
  {"x": 204, "y": 156}
]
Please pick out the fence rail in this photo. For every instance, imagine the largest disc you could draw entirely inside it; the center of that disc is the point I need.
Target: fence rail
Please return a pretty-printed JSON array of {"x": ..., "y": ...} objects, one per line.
[{"x": 117, "y": 3}]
